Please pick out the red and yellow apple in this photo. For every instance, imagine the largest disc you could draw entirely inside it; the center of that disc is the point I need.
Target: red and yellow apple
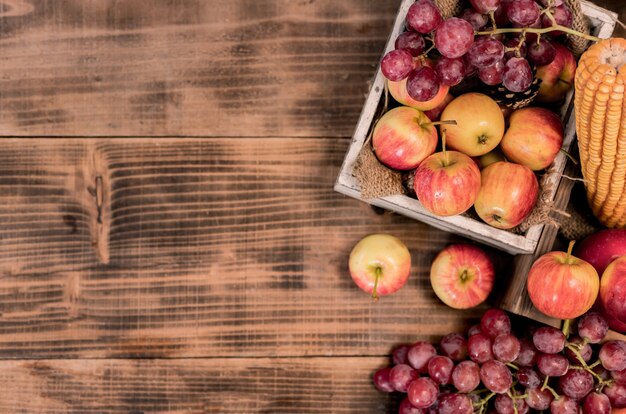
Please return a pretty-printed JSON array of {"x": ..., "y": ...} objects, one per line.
[
  {"x": 507, "y": 194},
  {"x": 602, "y": 247},
  {"x": 479, "y": 124},
  {"x": 403, "y": 138},
  {"x": 613, "y": 289},
  {"x": 380, "y": 264},
  {"x": 534, "y": 137},
  {"x": 399, "y": 93},
  {"x": 447, "y": 183},
  {"x": 462, "y": 276},
  {"x": 562, "y": 286},
  {"x": 556, "y": 77}
]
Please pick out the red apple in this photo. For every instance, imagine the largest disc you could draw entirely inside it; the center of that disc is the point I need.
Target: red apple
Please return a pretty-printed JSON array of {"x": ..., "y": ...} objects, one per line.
[
  {"x": 556, "y": 77},
  {"x": 479, "y": 124},
  {"x": 489, "y": 158},
  {"x": 534, "y": 137},
  {"x": 561, "y": 285},
  {"x": 447, "y": 183},
  {"x": 380, "y": 264},
  {"x": 602, "y": 247},
  {"x": 613, "y": 289},
  {"x": 507, "y": 195},
  {"x": 403, "y": 138},
  {"x": 462, "y": 276},
  {"x": 435, "y": 113}
]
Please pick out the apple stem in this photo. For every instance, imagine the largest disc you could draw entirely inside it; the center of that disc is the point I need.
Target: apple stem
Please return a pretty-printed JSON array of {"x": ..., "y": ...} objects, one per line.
[
  {"x": 566, "y": 327},
  {"x": 446, "y": 122},
  {"x": 568, "y": 155},
  {"x": 446, "y": 161},
  {"x": 378, "y": 271},
  {"x": 557, "y": 27},
  {"x": 570, "y": 247}
]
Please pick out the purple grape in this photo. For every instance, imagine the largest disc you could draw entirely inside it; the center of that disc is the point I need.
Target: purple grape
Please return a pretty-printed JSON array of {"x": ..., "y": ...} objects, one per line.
[
  {"x": 419, "y": 354},
  {"x": 616, "y": 394},
  {"x": 585, "y": 352},
  {"x": 440, "y": 369},
  {"x": 504, "y": 405},
  {"x": 619, "y": 376},
  {"x": 552, "y": 365},
  {"x": 496, "y": 376},
  {"x": 454, "y": 346},
  {"x": 492, "y": 75},
  {"x": 401, "y": 376},
  {"x": 549, "y": 340},
  {"x": 528, "y": 377},
  {"x": 407, "y": 408},
  {"x": 381, "y": 380},
  {"x": 562, "y": 16},
  {"x": 422, "y": 392},
  {"x": 517, "y": 75},
  {"x": 597, "y": 403},
  {"x": 537, "y": 399},
  {"x": 613, "y": 355},
  {"x": 541, "y": 53},
  {"x": 495, "y": 322},
  {"x": 477, "y": 20},
  {"x": 423, "y": 16},
  {"x": 400, "y": 354},
  {"x": 479, "y": 348},
  {"x": 564, "y": 405},
  {"x": 485, "y": 51},
  {"x": 450, "y": 71},
  {"x": 485, "y": 6},
  {"x": 454, "y": 37},
  {"x": 466, "y": 376},
  {"x": 506, "y": 348},
  {"x": 593, "y": 327},
  {"x": 422, "y": 84},
  {"x": 396, "y": 65},
  {"x": 412, "y": 42},
  {"x": 527, "y": 355},
  {"x": 576, "y": 384},
  {"x": 455, "y": 404},
  {"x": 474, "y": 329},
  {"x": 523, "y": 12},
  {"x": 512, "y": 43}
]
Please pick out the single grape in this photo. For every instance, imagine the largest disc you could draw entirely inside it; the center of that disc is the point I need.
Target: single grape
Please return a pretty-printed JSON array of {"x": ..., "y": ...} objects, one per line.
[
  {"x": 517, "y": 75},
  {"x": 619, "y": 376},
  {"x": 476, "y": 19},
  {"x": 400, "y": 354},
  {"x": 523, "y": 12},
  {"x": 552, "y": 365},
  {"x": 381, "y": 380},
  {"x": 485, "y": 6},
  {"x": 479, "y": 348},
  {"x": 564, "y": 405},
  {"x": 484, "y": 52},
  {"x": 419, "y": 354},
  {"x": 422, "y": 392},
  {"x": 576, "y": 384},
  {"x": 495, "y": 322},
  {"x": 397, "y": 64},
  {"x": 541, "y": 53},
  {"x": 613, "y": 355},
  {"x": 504, "y": 405},
  {"x": 466, "y": 376},
  {"x": 500, "y": 14},
  {"x": 549, "y": 340},
  {"x": 513, "y": 42},
  {"x": 496, "y": 376},
  {"x": 440, "y": 369},
  {"x": 585, "y": 352},
  {"x": 593, "y": 327},
  {"x": 528, "y": 377},
  {"x": 412, "y": 42},
  {"x": 454, "y": 37},
  {"x": 401, "y": 376},
  {"x": 454, "y": 346},
  {"x": 422, "y": 84},
  {"x": 474, "y": 329},
  {"x": 455, "y": 404},
  {"x": 597, "y": 403},
  {"x": 492, "y": 75},
  {"x": 562, "y": 16},
  {"x": 527, "y": 354},
  {"x": 407, "y": 408},
  {"x": 450, "y": 71},
  {"x": 616, "y": 394},
  {"x": 423, "y": 16},
  {"x": 506, "y": 348},
  {"x": 537, "y": 399}
]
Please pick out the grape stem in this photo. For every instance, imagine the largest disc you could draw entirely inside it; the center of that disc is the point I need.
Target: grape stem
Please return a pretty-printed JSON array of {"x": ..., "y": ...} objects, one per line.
[
  {"x": 512, "y": 365},
  {"x": 557, "y": 27},
  {"x": 567, "y": 323},
  {"x": 595, "y": 364},
  {"x": 545, "y": 383},
  {"x": 512, "y": 399},
  {"x": 585, "y": 366}
]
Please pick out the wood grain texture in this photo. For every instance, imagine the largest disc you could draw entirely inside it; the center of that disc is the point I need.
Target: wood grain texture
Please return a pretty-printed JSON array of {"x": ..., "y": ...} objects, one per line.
[
  {"x": 188, "y": 67},
  {"x": 205, "y": 247},
  {"x": 190, "y": 386}
]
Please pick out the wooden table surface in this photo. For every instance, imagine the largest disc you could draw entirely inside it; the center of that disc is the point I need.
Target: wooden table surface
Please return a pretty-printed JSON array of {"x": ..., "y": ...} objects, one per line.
[{"x": 169, "y": 237}]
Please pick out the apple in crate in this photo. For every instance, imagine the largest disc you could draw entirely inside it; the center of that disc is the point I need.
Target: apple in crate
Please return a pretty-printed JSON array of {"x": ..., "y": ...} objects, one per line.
[
  {"x": 613, "y": 289},
  {"x": 602, "y": 247},
  {"x": 380, "y": 264},
  {"x": 479, "y": 124},
  {"x": 462, "y": 276},
  {"x": 403, "y": 138},
  {"x": 447, "y": 183},
  {"x": 556, "y": 77},
  {"x": 398, "y": 91},
  {"x": 534, "y": 137},
  {"x": 507, "y": 194},
  {"x": 489, "y": 158},
  {"x": 561, "y": 285}
]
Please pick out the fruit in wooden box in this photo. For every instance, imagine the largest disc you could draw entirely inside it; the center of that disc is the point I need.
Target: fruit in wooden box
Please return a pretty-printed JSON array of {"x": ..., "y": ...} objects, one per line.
[
  {"x": 557, "y": 77},
  {"x": 613, "y": 289}
]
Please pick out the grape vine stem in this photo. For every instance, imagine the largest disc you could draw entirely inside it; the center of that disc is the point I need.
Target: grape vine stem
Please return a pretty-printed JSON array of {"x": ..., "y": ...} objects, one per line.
[{"x": 557, "y": 27}]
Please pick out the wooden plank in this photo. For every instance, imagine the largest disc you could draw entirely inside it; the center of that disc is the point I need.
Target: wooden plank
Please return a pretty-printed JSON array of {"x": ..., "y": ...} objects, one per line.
[
  {"x": 193, "y": 386},
  {"x": 188, "y": 67},
  {"x": 205, "y": 247}
]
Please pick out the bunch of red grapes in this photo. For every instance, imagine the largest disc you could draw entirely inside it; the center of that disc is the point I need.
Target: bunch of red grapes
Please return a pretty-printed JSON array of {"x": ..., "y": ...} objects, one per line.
[
  {"x": 492, "y": 370},
  {"x": 501, "y": 54}
]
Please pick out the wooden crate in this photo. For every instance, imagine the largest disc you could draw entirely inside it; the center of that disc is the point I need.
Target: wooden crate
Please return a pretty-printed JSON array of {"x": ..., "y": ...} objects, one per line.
[{"x": 602, "y": 22}]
